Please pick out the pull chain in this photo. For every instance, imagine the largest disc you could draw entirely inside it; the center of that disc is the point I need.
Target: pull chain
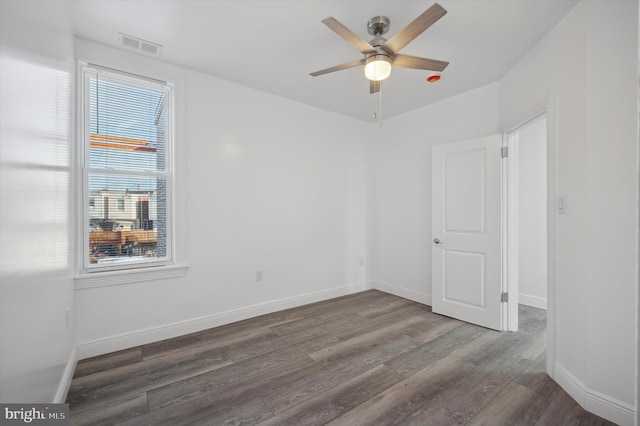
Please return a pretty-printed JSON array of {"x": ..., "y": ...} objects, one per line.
[{"x": 380, "y": 105}]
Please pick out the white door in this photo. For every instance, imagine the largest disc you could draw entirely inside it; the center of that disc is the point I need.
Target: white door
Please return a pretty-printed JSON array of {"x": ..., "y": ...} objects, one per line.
[{"x": 466, "y": 231}]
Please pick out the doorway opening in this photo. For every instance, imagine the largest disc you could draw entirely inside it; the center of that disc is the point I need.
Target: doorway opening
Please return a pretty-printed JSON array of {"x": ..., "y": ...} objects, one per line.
[{"x": 527, "y": 223}]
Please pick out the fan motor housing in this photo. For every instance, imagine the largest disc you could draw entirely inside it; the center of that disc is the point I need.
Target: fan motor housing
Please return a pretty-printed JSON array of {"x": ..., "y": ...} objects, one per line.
[
  {"x": 379, "y": 52},
  {"x": 378, "y": 25}
]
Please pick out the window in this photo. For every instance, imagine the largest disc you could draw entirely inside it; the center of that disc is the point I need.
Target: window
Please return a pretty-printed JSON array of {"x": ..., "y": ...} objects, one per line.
[{"x": 126, "y": 169}]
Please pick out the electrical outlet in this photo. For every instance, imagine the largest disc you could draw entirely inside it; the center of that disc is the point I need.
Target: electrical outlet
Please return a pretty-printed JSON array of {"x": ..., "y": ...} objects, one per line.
[{"x": 258, "y": 275}]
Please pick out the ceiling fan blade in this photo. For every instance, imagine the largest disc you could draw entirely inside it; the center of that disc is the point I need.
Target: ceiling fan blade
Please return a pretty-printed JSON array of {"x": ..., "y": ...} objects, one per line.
[
  {"x": 415, "y": 28},
  {"x": 348, "y": 35},
  {"x": 407, "y": 61},
  {"x": 338, "y": 67},
  {"x": 374, "y": 86}
]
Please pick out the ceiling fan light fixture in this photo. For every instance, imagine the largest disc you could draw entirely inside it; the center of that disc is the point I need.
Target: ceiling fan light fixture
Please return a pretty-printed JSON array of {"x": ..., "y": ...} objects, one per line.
[{"x": 377, "y": 67}]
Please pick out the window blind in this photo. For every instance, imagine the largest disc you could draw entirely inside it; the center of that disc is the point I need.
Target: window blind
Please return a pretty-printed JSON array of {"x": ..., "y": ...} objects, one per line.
[{"x": 126, "y": 170}]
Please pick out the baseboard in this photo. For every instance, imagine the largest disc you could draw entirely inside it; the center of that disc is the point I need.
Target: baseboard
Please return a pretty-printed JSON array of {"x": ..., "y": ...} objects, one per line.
[
  {"x": 533, "y": 301},
  {"x": 167, "y": 331},
  {"x": 67, "y": 376},
  {"x": 602, "y": 405},
  {"x": 403, "y": 292}
]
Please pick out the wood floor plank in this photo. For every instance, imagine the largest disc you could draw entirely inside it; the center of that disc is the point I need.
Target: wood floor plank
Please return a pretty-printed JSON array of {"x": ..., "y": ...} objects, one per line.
[
  {"x": 443, "y": 343},
  {"x": 246, "y": 412},
  {"x": 462, "y": 400},
  {"x": 563, "y": 410},
  {"x": 242, "y": 370},
  {"x": 335, "y": 372},
  {"x": 494, "y": 343},
  {"x": 531, "y": 320},
  {"x": 313, "y": 383},
  {"x": 379, "y": 353},
  {"x": 107, "y": 362},
  {"x": 535, "y": 377},
  {"x": 365, "y": 358},
  {"x": 269, "y": 343},
  {"x": 385, "y": 308},
  {"x": 338, "y": 400},
  {"x": 337, "y": 322},
  {"x": 362, "y": 342},
  {"x": 380, "y": 321},
  {"x": 217, "y": 338},
  {"x": 349, "y": 303},
  {"x": 249, "y": 411},
  {"x": 238, "y": 374},
  {"x": 394, "y": 404},
  {"x": 208, "y": 400},
  {"x": 438, "y": 328},
  {"x": 515, "y": 405},
  {"x": 87, "y": 392},
  {"x": 111, "y": 413}
]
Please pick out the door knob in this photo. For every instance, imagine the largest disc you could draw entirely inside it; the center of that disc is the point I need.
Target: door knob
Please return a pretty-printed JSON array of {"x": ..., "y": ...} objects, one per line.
[{"x": 436, "y": 241}]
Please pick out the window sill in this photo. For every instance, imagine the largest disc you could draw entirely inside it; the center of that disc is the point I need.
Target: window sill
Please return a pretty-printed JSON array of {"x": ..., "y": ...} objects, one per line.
[{"x": 130, "y": 276}]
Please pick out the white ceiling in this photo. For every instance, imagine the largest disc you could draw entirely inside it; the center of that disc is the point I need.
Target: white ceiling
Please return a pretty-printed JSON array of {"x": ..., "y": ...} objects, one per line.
[{"x": 273, "y": 45}]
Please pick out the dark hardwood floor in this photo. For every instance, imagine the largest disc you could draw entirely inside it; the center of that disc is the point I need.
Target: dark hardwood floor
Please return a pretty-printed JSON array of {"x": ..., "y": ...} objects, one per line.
[{"x": 364, "y": 359}]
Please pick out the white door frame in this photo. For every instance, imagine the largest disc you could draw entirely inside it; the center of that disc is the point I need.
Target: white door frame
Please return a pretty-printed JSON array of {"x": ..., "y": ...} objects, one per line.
[
  {"x": 510, "y": 230},
  {"x": 510, "y": 227}
]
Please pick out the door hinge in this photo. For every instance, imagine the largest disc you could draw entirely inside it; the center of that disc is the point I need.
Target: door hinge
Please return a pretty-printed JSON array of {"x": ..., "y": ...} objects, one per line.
[
  {"x": 504, "y": 297},
  {"x": 504, "y": 151}
]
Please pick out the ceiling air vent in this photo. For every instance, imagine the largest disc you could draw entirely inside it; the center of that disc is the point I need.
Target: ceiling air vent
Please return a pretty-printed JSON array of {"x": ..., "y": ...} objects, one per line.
[{"x": 140, "y": 45}]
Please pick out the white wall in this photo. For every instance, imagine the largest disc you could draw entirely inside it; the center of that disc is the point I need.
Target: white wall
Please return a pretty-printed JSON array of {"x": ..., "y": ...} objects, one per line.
[
  {"x": 401, "y": 185},
  {"x": 532, "y": 213},
  {"x": 594, "y": 166},
  {"x": 268, "y": 184},
  {"x": 612, "y": 150},
  {"x": 596, "y": 152},
  {"x": 37, "y": 343}
]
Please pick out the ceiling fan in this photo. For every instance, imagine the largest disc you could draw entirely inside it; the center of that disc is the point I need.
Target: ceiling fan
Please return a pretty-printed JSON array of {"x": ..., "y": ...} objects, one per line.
[{"x": 381, "y": 54}]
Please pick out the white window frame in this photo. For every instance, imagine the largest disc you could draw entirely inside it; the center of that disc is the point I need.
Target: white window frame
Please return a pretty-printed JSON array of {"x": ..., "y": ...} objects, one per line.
[{"x": 124, "y": 272}]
